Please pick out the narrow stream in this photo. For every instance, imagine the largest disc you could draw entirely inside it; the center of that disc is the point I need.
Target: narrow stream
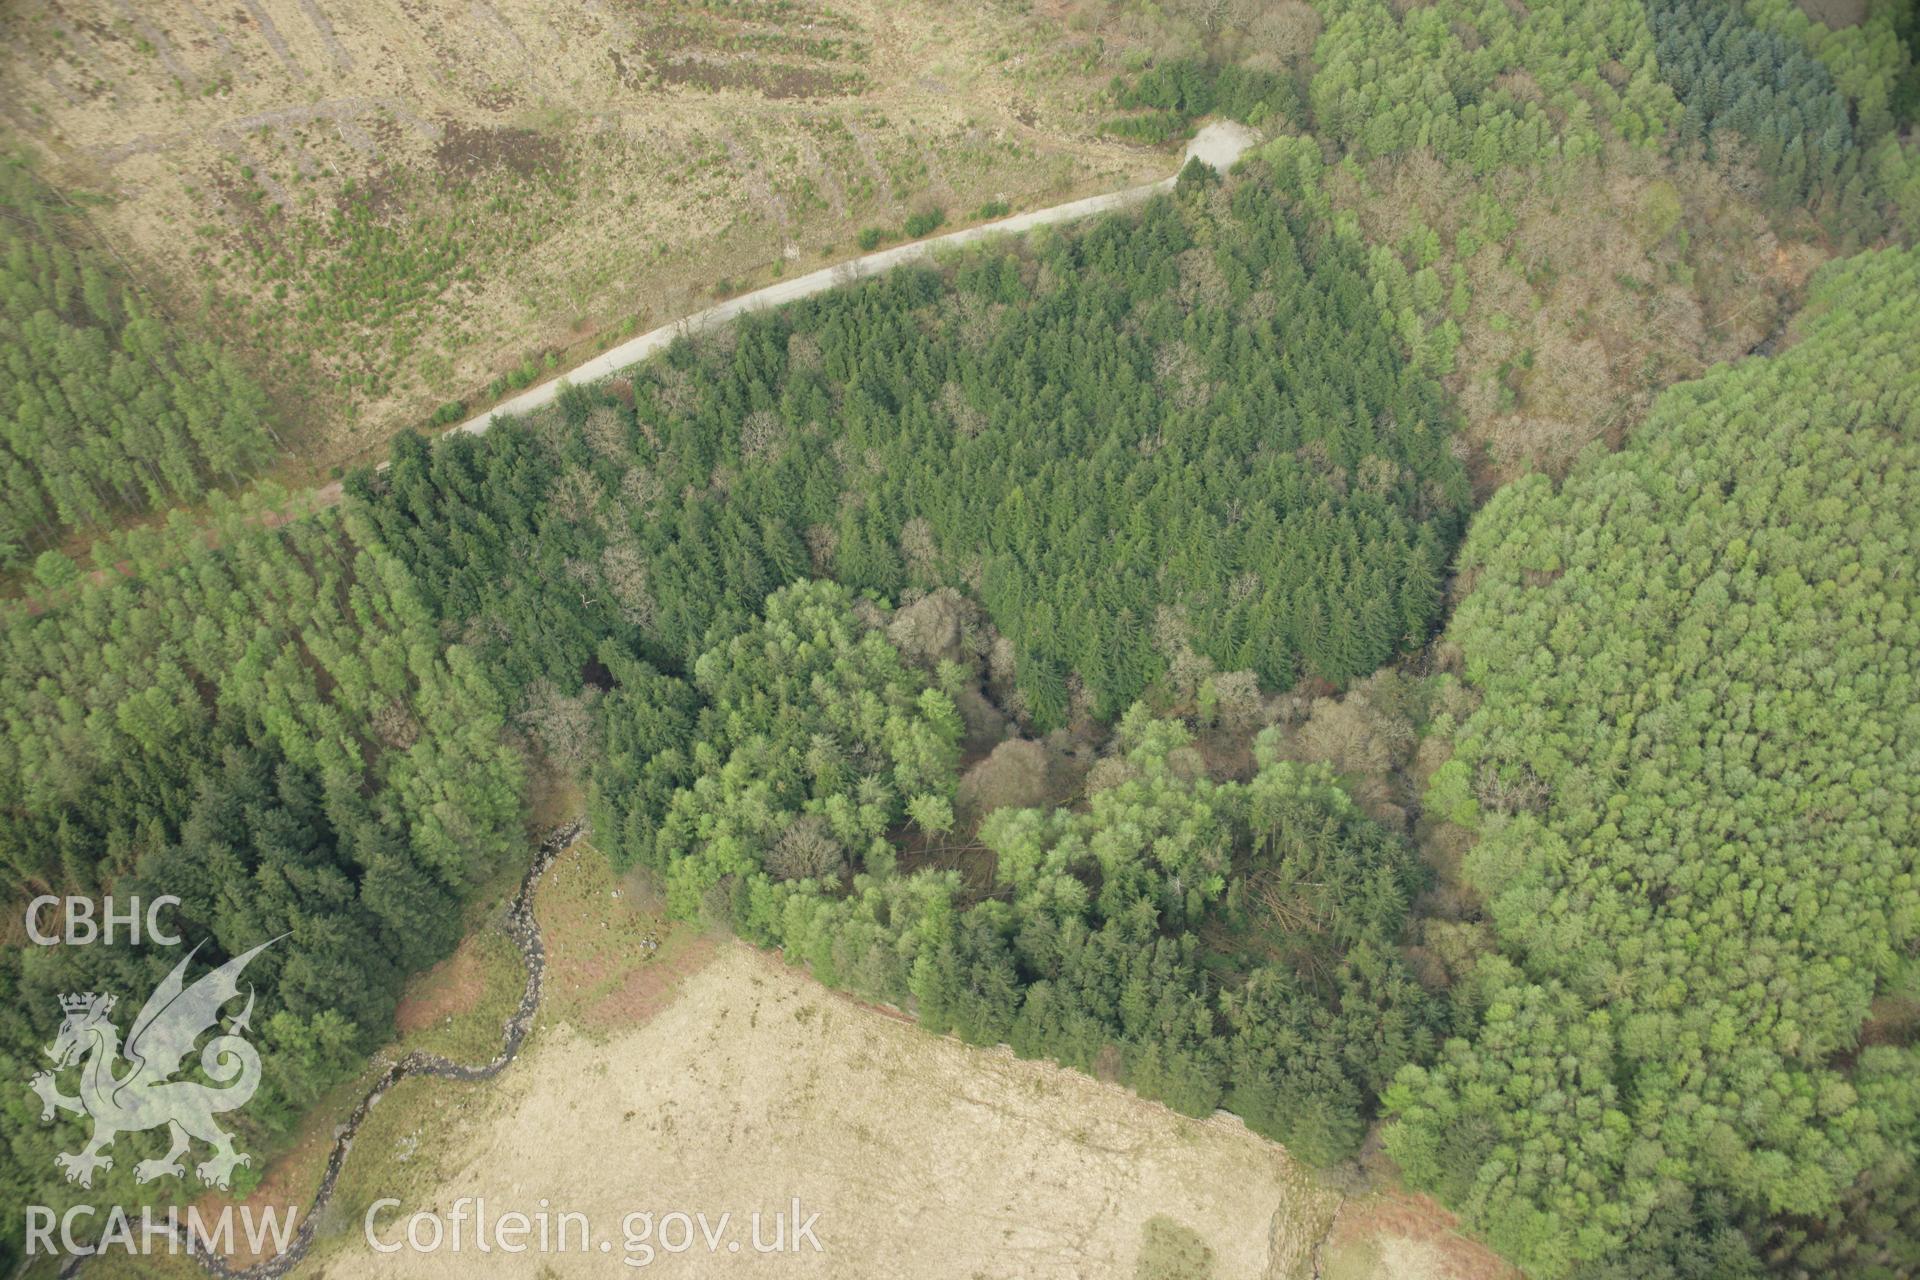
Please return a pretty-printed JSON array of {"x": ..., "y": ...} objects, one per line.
[{"x": 525, "y": 932}]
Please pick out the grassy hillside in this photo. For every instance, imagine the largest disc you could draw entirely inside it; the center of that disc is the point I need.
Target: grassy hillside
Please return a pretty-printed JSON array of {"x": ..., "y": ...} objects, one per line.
[{"x": 349, "y": 191}]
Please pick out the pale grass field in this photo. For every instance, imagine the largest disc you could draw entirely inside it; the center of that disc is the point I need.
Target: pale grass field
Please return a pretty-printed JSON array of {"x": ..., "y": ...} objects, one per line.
[
  {"x": 923, "y": 1157},
  {"x": 701, "y": 1076}
]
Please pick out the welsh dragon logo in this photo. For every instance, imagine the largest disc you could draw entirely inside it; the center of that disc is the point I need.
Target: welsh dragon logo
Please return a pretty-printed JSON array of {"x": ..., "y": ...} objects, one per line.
[{"x": 142, "y": 1096}]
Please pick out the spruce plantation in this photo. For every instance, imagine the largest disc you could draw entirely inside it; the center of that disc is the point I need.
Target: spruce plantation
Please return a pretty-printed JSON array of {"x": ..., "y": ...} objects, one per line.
[{"x": 1410, "y": 642}]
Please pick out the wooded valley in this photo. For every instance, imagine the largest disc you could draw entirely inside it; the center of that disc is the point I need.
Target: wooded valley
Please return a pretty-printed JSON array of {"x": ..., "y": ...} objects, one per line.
[{"x": 1128, "y": 643}]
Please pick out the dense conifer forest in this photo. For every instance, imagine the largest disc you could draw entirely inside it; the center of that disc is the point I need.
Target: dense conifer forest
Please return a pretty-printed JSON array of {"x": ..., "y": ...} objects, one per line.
[
  {"x": 106, "y": 409},
  {"x": 1203, "y": 410},
  {"x": 274, "y": 733},
  {"x": 1087, "y": 642},
  {"x": 1692, "y": 777}
]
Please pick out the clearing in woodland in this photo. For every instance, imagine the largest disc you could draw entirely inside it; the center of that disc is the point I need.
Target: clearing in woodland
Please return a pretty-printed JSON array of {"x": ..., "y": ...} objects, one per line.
[
  {"x": 691, "y": 1074},
  {"x": 923, "y": 1157},
  {"x": 349, "y": 191}
]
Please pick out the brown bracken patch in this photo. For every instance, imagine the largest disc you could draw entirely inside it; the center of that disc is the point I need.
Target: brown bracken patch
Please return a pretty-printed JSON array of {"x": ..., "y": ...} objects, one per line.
[
  {"x": 466, "y": 151},
  {"x": 1395, "y": 1236},
  {"x": 454, "y": 986},
  {"x": 287, "y": 1187},
  {"x": 647, "y": 988},
  {"x": 768, "y": 79}
]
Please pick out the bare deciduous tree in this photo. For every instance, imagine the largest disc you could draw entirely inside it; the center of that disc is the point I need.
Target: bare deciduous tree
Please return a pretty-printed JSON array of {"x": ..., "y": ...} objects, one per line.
[
  {"x": 761, "y": 436},
  {"x": 624, "y": 571},
  {"x": 806, "y": 850},
  {"x": 562, "y": 725},
  {"x": 823, "y": 540},
  {"x": 604, "y": 433}
]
